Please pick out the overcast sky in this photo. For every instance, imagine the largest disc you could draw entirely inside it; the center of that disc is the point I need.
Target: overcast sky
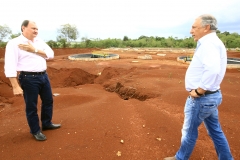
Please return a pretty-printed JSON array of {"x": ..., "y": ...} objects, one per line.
[{"x": 118, "y": 18}]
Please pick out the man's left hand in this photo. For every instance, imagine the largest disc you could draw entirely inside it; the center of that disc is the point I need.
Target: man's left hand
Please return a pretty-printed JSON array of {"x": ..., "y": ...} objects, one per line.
[{"x": 193, "y": 94}]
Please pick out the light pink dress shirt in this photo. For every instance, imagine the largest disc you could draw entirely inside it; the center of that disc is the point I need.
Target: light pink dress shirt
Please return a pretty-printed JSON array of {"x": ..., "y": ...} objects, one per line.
[{"x": 20, "y": 60}]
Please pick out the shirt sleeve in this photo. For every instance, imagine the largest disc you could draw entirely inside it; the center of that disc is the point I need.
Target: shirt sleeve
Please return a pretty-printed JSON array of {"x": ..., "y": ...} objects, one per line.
[
  {"x": 11, "y": 59},
  {"x": 211, "y": 63},
  {"x": 48, "y": 50}
]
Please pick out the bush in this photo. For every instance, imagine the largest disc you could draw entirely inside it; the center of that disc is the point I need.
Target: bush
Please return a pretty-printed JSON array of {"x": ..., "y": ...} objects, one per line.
[
  {"x": 52, "y": 44},
  {"x": 3, "y": 44}
]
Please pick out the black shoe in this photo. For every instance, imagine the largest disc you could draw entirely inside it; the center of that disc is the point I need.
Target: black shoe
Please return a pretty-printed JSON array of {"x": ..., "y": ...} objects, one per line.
[
  {"x": 51, "y": 126},
  {"x": 39, "y": 136}
]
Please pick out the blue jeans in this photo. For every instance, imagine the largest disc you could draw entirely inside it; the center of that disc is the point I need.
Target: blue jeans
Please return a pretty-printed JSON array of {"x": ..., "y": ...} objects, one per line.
[
  {"x": 198, "y": 110},
  {"x": 32, "y": 86}
]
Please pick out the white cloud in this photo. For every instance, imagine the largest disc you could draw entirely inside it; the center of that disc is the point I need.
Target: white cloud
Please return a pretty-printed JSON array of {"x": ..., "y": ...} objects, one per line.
[{"x": 116, "y": 18}]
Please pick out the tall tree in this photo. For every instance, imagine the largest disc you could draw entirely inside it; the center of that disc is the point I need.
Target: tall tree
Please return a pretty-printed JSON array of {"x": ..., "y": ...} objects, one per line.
[
  {"x": 4, "y": 32},
  {"x": 125, "y": 38},
  {"x": 68, "y": 32}
]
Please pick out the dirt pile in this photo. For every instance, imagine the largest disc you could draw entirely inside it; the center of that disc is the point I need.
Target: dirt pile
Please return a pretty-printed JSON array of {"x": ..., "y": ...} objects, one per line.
[
  {"x": 102, "y": 103},
  {"x": 120, "y": 81},
  {"x": 65, "y": 77}
]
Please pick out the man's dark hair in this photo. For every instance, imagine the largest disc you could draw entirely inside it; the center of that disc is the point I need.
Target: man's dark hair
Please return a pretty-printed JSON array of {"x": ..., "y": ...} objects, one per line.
[{"x": 24, "y": 23}]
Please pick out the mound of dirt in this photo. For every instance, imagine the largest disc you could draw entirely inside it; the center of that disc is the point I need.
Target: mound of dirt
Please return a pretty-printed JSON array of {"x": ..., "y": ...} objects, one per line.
[
  {"x": 112, "y": 107},
  {"x": 65, "y": 77},
  {"x": 119, "y": 80}
]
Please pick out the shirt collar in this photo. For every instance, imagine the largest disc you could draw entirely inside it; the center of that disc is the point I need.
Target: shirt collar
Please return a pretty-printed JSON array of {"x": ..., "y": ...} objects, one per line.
[
  {"x": 212, "y": 34},
  {"x": 26, "y": 40}
]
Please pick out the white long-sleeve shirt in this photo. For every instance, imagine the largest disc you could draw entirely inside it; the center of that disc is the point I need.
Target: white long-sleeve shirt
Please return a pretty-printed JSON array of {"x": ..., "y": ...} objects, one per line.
[
  {"x": 20, "y": 60},
  {"x": 208, "y": 65}
]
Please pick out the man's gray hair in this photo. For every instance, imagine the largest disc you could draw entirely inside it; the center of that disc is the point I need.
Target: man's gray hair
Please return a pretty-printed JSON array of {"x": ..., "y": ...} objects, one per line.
[{"x": 209, "y": 20}]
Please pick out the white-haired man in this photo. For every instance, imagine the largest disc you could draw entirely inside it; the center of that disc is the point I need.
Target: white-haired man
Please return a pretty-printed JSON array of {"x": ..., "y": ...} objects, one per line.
[{"x": 202, "y": 80}]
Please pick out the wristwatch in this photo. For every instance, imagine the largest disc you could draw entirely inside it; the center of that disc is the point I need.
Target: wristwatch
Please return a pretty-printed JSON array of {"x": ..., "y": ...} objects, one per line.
[
  {"x": 35, "y": 50},
  {"x": 198, "y": 93}
]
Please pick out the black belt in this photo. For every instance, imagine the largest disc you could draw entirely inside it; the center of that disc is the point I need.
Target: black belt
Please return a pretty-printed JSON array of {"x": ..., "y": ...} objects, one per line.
[
  {"x": 210, "y": 92},
  {"x": 32, "y": 73}
]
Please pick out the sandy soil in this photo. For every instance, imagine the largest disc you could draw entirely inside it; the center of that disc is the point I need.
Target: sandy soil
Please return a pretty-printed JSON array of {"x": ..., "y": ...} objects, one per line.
[{"x": 133, "y": 110}]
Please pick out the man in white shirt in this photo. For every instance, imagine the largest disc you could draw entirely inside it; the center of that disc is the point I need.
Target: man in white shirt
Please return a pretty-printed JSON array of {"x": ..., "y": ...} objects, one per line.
[
  {"x": 27, "y": 55},
  {"x": 202, "y": 80}
]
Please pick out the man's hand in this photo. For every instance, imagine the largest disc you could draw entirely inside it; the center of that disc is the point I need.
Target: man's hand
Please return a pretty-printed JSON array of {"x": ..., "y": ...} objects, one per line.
[
  {"x": 200, "y": 91},
  {"x": 193, "y": 94},
  {"x": 27, "y": 47},
  {"x": 17, "y": 91}
]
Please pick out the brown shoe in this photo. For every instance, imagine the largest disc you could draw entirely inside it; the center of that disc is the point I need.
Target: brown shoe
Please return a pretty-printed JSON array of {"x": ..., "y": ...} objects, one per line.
[{"x": 170, "y": 158}]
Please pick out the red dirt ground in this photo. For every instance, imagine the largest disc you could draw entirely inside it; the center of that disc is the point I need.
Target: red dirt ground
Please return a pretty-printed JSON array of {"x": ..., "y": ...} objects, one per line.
[{"x": 140, "y": 103}]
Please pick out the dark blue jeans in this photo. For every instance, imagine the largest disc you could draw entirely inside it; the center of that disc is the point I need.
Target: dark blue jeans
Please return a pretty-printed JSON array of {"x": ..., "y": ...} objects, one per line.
[{"x": 32, "y": 86}]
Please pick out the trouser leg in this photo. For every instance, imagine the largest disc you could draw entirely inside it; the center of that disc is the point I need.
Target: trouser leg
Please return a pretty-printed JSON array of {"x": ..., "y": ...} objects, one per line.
[
  {"x": 31, "y": 85},
  {"x": 189, "y": 130},
  {"x": 220, "y": 141},
  {"x": 47, "y": 102}
]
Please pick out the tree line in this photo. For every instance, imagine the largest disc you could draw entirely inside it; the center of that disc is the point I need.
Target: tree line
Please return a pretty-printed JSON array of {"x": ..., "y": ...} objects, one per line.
[{"x": 67, "y": 34}]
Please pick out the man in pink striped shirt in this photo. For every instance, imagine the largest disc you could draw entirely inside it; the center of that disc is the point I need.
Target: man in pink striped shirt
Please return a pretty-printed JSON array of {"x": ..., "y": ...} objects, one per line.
[{"x": 27, "y": 56}]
